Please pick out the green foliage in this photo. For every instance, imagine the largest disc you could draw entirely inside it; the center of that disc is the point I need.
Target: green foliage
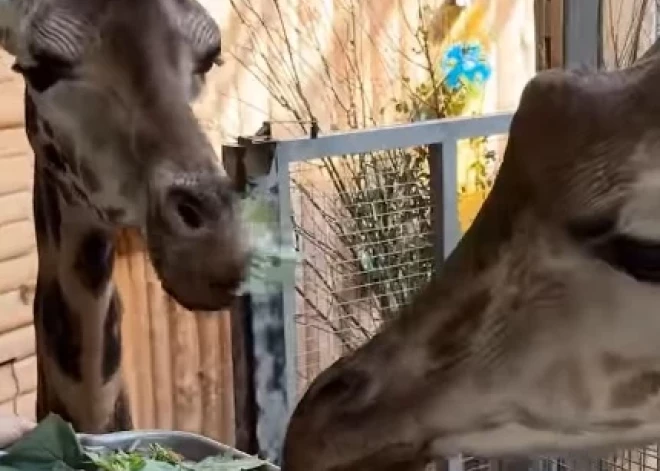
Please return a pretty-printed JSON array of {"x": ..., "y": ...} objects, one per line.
[
  {"x": 272, "y": 262},
  {"x": 432, "y": 99},
  {"x": 53, "y": 445},
  {"x": 384, "y": 220}
]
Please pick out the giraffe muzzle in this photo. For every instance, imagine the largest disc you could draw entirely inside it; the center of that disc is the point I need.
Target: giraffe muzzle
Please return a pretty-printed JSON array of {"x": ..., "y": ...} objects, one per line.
[{"x": 194, "y": 237}]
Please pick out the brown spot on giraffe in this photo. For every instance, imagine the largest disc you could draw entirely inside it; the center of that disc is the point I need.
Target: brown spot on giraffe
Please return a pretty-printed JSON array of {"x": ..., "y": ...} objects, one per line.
[
  {"x": 94, "y": 260},
  {"x": 121, "y": 415},
  {"x": 612, "y": 362},
  {"x": 636, "y": 390},
  {"x": 62, "y": 333},
  {"x": 112, "y": 339},
  {"x": 108, "y": 89}
]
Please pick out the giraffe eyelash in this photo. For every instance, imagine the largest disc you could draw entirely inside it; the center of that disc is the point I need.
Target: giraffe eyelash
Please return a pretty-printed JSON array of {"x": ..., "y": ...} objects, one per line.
[
  {"x": 44, "y": 74},
  {"x": 208, "y": 61}
]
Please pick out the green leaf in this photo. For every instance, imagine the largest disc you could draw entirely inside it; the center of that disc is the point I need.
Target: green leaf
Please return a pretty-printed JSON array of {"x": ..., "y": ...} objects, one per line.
[
  {"x": 256, "y": 211},
  {"x": 51, "y": 445},
  {"x": 272, "y": 262}
]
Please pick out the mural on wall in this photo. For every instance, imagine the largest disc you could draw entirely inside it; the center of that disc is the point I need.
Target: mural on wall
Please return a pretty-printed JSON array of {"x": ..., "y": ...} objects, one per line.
[{"x": 454, "y": 50}]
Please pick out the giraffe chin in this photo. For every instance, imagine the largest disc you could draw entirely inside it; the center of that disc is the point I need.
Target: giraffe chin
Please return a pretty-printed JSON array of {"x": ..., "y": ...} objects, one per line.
[
  {"x": 206, "y": 282},
  {"x": 197, "y": 289},
  {"x": 222, "y": 299}
]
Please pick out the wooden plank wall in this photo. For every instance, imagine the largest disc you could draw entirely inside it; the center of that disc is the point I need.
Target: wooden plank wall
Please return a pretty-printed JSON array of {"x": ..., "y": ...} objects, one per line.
[
  {"x": 17, "y": 251},
  {"x": 177, "y": 363},
  {"x": 549, "y": 33}
]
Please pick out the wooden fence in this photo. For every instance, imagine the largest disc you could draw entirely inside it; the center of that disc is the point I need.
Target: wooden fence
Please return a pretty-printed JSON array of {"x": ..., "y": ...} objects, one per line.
[{"x": 177, "y": 363}]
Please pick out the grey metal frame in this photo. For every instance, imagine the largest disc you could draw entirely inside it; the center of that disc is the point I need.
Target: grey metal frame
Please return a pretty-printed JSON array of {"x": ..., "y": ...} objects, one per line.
[
  {"x": 583, "y": 33},
  {"x": 276, "y": 387}
]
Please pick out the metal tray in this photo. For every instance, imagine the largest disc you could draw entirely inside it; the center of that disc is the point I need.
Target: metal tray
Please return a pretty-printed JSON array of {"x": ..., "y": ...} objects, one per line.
[{"x": 190, "y": 445}]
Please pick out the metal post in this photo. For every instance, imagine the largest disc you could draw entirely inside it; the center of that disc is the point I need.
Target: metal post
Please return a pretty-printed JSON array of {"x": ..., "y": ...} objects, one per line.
[
  {"x": 444, "y": 173},
  {"x": 266, "y": 320},
  {"x": 446, "y": 229},
  {"x": 287, "y": 237},
  {"x": 582, "y": 33}
]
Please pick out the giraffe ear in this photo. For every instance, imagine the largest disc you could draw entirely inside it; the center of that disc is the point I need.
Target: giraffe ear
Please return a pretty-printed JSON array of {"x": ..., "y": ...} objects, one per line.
[{"x": 10, "y": 19}]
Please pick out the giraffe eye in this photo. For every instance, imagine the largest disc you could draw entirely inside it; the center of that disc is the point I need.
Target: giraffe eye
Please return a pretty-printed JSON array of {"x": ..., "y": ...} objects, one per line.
[
  {"x": 44, "y": 73},
  {"x": 207, "y": 61},
  {"x": 638, "y": 258}
]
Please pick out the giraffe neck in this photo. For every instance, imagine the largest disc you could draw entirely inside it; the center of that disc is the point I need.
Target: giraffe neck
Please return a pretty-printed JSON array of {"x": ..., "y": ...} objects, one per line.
[{"x": 77, "y": 309}]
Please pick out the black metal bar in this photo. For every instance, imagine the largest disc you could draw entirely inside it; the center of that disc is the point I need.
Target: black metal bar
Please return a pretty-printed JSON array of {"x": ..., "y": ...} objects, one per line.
[
  {"x": 245, "y": 418},
  {"x": 444, "y": 191}
]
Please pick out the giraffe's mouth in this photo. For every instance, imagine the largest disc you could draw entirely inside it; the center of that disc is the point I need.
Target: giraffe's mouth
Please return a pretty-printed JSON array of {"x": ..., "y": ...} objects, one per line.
[
  {"x": 223, "y": 296},
  {"x": 201, "y": 275},
  {"x": 202, "y": 286}
]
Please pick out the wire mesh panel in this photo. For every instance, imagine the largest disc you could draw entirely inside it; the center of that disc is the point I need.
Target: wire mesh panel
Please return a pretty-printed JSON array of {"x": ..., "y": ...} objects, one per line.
[
  {"x": 629, "y": 28},
  {"x": 363, "y": 225}
]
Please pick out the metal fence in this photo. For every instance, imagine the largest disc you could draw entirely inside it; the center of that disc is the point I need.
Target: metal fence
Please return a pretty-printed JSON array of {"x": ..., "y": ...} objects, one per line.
[
  {"x": 363, "y": 224},
  {"x": 372, "y": 212},
  {"x": 363, "y": 227}
]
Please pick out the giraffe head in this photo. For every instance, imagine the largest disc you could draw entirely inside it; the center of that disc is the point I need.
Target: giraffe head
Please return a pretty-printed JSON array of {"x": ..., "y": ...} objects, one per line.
[
  {"x": 110, "y": 84},
  {"x": 541, "y": 331}
]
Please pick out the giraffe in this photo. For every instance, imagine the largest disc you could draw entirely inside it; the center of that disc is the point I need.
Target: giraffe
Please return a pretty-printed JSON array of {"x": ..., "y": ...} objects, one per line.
[
  {"x": 540, "y": 332},
  {"x": 108, "y": 88}
]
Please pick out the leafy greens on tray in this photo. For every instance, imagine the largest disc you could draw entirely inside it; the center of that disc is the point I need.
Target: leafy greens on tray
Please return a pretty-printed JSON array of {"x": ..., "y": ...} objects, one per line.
[{"x": 53, "y": 445}]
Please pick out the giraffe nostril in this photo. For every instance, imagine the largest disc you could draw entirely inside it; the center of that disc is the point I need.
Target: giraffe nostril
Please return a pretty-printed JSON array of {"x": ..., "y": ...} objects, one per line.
[
  {"x": 189, "y": 215},
  {"x": 348, "y": 387},
  {"x": 187, "y": 209}
]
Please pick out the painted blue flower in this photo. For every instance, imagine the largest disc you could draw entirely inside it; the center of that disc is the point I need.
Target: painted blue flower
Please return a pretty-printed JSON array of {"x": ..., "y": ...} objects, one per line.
[{"x": 466, "y": 62}]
